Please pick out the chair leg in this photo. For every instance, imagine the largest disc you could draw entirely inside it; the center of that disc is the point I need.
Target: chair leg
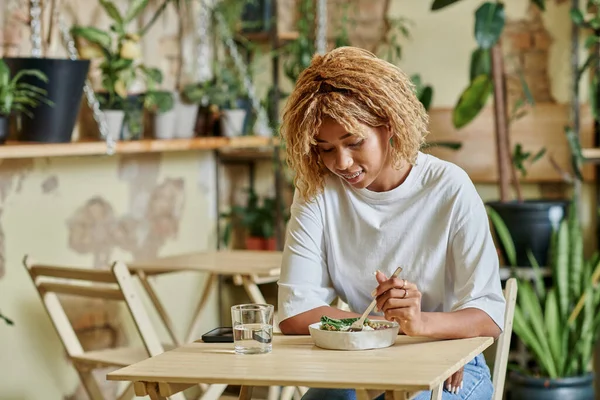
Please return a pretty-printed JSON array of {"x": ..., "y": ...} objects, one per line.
[
  {"x": 436, "y": 393},
  {"x": 128, "y": 393},
  {"x": 274, "y": 392},
  {"x": 89, "y": 383}
]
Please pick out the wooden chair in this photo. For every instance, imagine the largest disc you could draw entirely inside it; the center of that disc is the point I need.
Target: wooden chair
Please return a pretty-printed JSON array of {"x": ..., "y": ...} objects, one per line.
[
  {"x": 114, "y": 284},
  {"x": 503, "y": 342}
]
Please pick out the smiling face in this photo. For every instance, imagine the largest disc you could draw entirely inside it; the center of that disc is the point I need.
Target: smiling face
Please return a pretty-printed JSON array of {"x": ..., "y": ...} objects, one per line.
[{"x": 362, "y": 162}]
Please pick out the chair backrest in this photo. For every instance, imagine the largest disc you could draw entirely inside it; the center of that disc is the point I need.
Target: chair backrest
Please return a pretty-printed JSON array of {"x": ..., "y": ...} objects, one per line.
[
  {"x": 503, "y": 342},
  {"x": 113, "y": 284}
]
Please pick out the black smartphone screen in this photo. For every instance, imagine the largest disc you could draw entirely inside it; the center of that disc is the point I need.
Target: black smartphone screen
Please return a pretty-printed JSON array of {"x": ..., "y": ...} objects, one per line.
[{"x": 222, "y": 334}]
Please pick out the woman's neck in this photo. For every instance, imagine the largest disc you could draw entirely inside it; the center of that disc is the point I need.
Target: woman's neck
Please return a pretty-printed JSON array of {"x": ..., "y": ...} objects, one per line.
[{"x": 390, "y": 178}]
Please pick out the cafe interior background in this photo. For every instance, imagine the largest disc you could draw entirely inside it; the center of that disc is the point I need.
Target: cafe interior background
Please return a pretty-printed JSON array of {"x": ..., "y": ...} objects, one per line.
[{"x": 150, "y": 187}]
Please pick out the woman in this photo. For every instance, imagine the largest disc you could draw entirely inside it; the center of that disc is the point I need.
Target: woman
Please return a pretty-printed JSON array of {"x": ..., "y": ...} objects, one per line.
[{"x": 368, "y": 200}]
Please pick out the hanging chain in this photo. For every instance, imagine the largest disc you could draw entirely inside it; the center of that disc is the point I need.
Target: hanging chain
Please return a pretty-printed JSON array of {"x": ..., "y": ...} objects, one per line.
[
  {"x": 262, "y": 124},
  {"x": 321, "y": 37},
  {"x": 90, "y": 96},
  {"x": 203, "y": 51},
  {"x": 35, "y": 12}
]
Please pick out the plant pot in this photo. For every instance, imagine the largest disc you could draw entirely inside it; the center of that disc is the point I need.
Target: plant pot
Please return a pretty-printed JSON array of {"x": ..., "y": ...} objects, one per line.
[
  {"x": 256, "y": 16},
  {"x": 3, "y": 129},
  {"x": 186, "y": 115},
  {"x": 255, "y": 243},
  {"x": 270, "y": 244},
  {"x": 133, "y": 123},
  {"x": 114, "y": 122},
  {"x": 524, "y": 387},
  {"x": 164, "y": 125},
  {"x": 530, "y": 225},
  {"x": 232, "y": 122},
  {"x": 66, "y": 78}
]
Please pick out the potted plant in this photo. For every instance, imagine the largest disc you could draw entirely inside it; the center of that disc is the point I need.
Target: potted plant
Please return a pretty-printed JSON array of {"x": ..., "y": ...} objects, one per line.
[
  {"x": 17, "y": 95},
  {"x": 258, "y": 218},
  {"x": 527, "y": 219},
  {"x": 63, "y": 86},
  {"x": 557, "y": 320},
  {"x": 121, "y": 67},
  {"x": 160, "y": 104}
]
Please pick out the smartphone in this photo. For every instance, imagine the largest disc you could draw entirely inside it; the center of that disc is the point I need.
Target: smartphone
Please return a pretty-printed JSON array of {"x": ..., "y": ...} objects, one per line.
[{"x": 222, "y": 334}]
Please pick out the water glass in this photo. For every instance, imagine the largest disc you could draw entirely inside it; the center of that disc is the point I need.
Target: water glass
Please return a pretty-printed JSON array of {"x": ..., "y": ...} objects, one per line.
[{"x": 252, "y": 328}]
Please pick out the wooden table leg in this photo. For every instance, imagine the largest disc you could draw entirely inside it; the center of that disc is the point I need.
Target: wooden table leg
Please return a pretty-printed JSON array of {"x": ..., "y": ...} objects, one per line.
[
  {"x": 436, "y": 393},
  {"x": 396, "y": 395},
  {"x": 246, "y": 393},
  {"x": 159, "y": 307},
  {"x": 152, "y": 389},
  {"x": 362, "y": 394},
  {"x": 197, "y": 313},
  {"x": 252, "y": 290}
]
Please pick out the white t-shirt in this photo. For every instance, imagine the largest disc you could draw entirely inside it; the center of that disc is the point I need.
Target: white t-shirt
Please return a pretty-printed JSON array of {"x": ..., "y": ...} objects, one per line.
[{"x": 434, "y": 225}]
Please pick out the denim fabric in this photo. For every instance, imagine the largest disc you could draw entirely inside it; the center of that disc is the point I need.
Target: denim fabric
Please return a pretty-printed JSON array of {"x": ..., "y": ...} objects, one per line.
[{"x": 477, "y": 385}]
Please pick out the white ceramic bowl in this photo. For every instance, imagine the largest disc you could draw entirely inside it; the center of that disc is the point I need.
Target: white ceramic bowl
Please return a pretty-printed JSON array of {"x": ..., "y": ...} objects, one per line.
[{"x": 364, "y": 340}]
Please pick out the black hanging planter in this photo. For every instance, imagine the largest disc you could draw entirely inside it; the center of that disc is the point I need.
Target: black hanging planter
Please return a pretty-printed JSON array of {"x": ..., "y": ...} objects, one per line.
[
  {"x": 3, "y": 128},
  {"x": 66, "y": 78},
  {"x": 530, "y": 225},
  {"x": 572, "y": 388}
]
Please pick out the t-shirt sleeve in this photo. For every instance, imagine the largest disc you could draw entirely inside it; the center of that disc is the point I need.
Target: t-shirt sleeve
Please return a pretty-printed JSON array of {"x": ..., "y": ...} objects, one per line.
[
  {"x": 475, "y": 269},
  {"x": 304, "y": 283}
]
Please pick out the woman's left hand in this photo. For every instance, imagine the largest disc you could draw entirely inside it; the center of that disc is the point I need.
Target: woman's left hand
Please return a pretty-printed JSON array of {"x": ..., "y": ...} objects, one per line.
[{"x": 400, "y": 301}]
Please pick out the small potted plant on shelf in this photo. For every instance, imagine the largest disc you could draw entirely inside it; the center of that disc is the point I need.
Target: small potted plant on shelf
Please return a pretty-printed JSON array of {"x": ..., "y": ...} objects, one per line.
[
  {"x": 121, "y": 67},
  {"x": 160, "y": 104},
  {"x": 19, "y": 96}
]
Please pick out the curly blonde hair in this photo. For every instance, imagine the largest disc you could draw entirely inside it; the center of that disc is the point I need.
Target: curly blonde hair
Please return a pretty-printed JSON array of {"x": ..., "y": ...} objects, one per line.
[{"x": 351, "y": 86}]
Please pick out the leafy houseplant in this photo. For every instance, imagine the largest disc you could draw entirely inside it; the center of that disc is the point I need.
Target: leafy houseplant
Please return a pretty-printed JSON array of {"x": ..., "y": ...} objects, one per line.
[
  {"x": 527, "y": 220},
  {"x": 558, "y": 323},
  {"x": 16, "y": 95},
  {"x": 121, "y": 59},
  {"x": 258, "y": 218}
]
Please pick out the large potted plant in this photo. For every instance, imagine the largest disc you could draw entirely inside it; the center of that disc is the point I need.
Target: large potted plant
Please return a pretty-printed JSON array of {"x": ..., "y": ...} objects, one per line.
[
  {"x": 63, "y": 86},
  {"x": 121, "y": 67},
  {"x": 556, "y": 319},
  {"x": 527, "y": 219},
  {"x": 18, "y": 96}
]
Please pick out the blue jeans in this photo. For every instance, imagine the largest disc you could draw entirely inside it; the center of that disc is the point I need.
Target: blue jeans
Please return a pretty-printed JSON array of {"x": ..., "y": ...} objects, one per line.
[{"x": 477, "y": 385}]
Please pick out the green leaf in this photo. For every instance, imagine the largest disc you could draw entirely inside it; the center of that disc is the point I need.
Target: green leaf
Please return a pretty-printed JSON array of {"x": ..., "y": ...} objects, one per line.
[
  {"x": 489, "y": 23},
  {"x": 554, "y": 328},
  {"x": 134, "y": 9},
  {"x": 504, "y": 236},
  {"x": 93, "y": 35},
  {"x": 576, "y": 153},
  {"x": 426, "y": 97},
  {"x": 539, "y": 155},
  {"x": 4, "y": 74},
  {"x": 472, "y": 101},
  {"x": 153, "y": 74},
  {"x": 590, "y": 41},
  {"x": 28, "y": 72},
  {"x": 448, "y": 145},
  {"x": 439, "y": 4},
  {"x": 561, "y": 269},
  {"x": 575, "y": 253},
  {"x": 541, "y": 4},
  {"x": 481, "y": 63},
  {"x": 526, "y": 334},
  {"x": 540, "y": 288},
  {"x": 576, "y": 16},
  {"x": 593, "y": 97},
  {"x": 112, "y": 11}
]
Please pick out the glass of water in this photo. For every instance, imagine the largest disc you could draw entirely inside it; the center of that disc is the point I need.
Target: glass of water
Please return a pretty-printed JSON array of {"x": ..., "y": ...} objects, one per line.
[{"x": 252, "y": 328}]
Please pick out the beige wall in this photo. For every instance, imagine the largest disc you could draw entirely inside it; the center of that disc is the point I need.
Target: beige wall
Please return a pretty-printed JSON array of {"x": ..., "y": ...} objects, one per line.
[{"x": 39, "y": 198}]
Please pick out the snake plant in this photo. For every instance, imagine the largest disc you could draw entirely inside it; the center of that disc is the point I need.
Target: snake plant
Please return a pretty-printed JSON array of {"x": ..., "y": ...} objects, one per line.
[{"x": 557, "y": 322}]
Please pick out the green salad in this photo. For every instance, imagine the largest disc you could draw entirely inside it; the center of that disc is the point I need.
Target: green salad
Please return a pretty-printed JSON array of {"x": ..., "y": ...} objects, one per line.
[{"x": 342, "y": 325}]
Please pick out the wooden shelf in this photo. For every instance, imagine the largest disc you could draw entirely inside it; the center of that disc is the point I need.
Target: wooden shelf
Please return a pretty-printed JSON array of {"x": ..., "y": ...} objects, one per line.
[{"x": 34, "y": 150}]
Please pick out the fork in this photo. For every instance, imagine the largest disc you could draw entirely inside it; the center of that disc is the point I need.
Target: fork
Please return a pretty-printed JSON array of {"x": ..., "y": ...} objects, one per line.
[{"x": 358, "y": 325}]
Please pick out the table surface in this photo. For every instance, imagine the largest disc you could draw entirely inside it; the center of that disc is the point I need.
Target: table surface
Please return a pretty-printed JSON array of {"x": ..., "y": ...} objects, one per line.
[
  {"x": 226, "y": 262},
  {"x": 410, "y": 364}
]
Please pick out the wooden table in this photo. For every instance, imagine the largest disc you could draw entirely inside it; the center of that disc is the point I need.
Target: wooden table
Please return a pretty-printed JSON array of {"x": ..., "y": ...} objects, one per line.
[
  {"x": 248, "y": 268},
  {"x": 411, "y": 365}
]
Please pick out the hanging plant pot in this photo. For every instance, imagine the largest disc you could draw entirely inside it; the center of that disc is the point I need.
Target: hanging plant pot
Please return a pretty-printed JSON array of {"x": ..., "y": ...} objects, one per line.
[
  {"x": 3, "y": 129},
  {"x": 529, "y": 388},
  {"x": 66, "y": 78}
]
